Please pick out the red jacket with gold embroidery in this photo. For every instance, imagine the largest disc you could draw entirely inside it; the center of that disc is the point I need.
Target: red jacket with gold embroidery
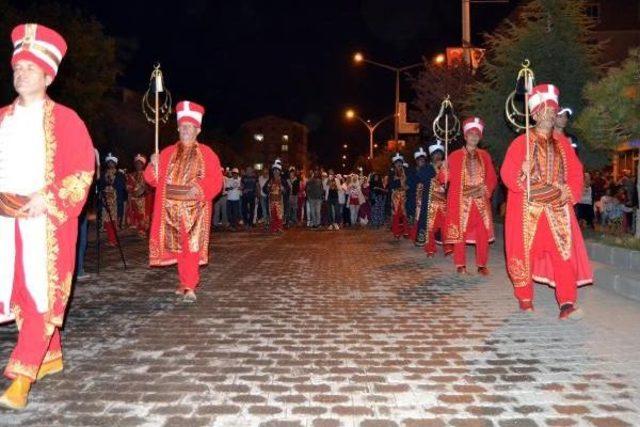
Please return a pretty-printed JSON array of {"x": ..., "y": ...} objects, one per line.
[
  {"x": 70, "y": 163},
  {"x": 209, "y": 185},
  {"x": 459, "y": 205},
  {"x": 522, "y": 217}
]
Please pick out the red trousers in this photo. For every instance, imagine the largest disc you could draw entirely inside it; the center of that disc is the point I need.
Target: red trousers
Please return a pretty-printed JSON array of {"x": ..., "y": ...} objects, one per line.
[
  {"x": 475, "y": 227},
  {"x": 564, "y": 276},
  {"x": 438, "y": 224},
  {"x": 188, "y": 264},
  {"x": 399, "y": 224},
  {"x": 275, "y": 220},
  {"x": 111, "y": 233},
  {"x": 37, "y": 343}
]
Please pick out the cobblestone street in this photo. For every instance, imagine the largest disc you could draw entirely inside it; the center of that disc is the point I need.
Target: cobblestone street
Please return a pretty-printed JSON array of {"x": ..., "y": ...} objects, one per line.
[{"x": 322, "y": 329}]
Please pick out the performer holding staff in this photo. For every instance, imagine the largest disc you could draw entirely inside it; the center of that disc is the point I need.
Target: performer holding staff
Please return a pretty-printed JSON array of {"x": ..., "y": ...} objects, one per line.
[{"x": 544, "y": 177}]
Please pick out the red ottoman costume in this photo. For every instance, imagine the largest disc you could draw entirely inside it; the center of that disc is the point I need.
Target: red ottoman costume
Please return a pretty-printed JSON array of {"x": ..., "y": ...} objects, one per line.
[
  {"x": 38, "y": 286},
  {"x": 543, "y": 241},
  {"x": 180, "y": 225},
  {"x": 140, "y": 200},
  {"x": 472, "y": 179},
  {"x": 437, "y": 208}
]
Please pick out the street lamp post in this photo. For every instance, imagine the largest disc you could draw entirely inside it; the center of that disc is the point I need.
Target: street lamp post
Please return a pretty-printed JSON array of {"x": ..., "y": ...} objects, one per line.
[
  {"x": 359, "y": 57},
  {"x": 371, "y": 127}
]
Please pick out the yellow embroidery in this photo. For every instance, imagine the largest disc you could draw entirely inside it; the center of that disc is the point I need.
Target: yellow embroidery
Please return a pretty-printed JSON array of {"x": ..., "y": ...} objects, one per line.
[
  {"x": 52, "y": 355},
  {"x": 518, "y": 272},
  {"x": 17, "y": 312},
  {"x": 15, "y": 368},
  {"x": 75, "y": 187}
]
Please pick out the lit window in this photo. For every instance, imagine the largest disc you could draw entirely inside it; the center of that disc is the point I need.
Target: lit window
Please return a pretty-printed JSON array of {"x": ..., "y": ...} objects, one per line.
[
  {"x": 285, "y": 147},
  {"x": 258, "y": 137},
  {"x": 285, "y": 138},
  {"x": 592, "y": 10}
]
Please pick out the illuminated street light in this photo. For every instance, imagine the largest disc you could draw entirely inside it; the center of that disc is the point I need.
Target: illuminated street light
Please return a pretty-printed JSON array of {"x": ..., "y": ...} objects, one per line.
[
  {"x": 258, "y": 137},
  {"x": 440, "y": 59},
  {"x": 358, "y": 58},
  {"x": 345, "y": 146},
  {"x": 344, "y": 157},
  {"x": 351, "y": 114}
]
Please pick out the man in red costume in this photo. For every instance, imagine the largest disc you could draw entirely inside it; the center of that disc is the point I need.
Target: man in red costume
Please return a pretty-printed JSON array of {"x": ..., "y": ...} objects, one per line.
[
  {"x": 543, "y": 241},
  {"x": 437, "y": 204},
  {"x": 46, "y": 168},
  {"x": 188, "y": 178},
  {"x": 471, "y": 179},
  {"x": 139, "y": 197}
]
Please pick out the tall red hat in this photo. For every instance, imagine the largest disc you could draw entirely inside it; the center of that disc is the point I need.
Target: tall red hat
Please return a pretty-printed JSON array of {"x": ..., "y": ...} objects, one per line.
[
  {"x": 39, "y": 44},
  {"x": 189, "y": 112},
  {"x": 544, "y": 94},
  {"x": 473, "y": 123}
]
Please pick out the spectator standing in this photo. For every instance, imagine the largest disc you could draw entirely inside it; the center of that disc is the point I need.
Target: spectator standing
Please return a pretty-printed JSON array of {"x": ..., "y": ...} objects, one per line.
[{"x": 233, "y": 186}]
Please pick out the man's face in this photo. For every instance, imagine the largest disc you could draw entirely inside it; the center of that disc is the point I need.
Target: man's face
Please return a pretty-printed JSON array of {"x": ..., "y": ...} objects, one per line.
[
  {"x": 437, "y": 156},
  {"x": 421, "y": 161},
  {"x": 234, "y": 174},
  {"x": 472, "y": 138},
  {"x": 398, "y": 164},
  {"x": 29, "y": 79},
  {"x": 138, "y": 165},
  {"x": 111, "y": 164},
  {"x": 562, "y": 120},
  {"x": 188, "y": 132},
  {"x": 545, "y": 118}
]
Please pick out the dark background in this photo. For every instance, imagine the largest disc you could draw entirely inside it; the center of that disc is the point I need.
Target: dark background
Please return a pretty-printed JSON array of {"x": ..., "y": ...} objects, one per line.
[{"x": 243, "y": 59}]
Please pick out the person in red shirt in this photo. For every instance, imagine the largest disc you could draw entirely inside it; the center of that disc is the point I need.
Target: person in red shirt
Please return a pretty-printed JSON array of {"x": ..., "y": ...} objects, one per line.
[
  {"x": 188, "y": 178},
  {"x": 543, "y": 241},
  {"x": 472, "y": 178},
  {"x": 46, "y": 168}
]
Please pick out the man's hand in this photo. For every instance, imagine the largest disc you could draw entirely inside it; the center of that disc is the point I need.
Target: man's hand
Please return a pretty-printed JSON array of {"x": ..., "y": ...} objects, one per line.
[
  {"x": 36, "y": 206},
  {"x": 154, "y": 159}
]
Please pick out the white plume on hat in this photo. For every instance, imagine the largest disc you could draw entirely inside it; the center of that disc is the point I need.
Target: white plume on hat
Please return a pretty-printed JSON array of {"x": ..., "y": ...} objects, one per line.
[
  {"x": 111, "y": 158},
  {"x": 397, "y": 158},
  {"x": 420, "y": 153},
  {"x": 435, "y": 147}
]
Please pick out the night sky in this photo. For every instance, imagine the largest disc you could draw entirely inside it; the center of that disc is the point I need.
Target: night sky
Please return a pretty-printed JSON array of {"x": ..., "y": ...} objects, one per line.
[{"x": 243, "y": 59}]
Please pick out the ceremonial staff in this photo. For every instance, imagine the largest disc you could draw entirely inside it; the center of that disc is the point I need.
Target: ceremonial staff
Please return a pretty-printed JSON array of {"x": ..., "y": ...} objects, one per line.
[
  {"x": 524, "y": 86},
  {"x": 160, "y": 110},
  {"x": 447, "y": 132}
]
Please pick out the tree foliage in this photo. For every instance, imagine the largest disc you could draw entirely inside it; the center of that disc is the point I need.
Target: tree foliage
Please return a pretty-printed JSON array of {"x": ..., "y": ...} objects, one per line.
[
  {"x": 556, "y": 36},
  {"x": 88, "y": 71},
  {"x": 433, "y": 84},
  {"x": 612, "y": 114}
]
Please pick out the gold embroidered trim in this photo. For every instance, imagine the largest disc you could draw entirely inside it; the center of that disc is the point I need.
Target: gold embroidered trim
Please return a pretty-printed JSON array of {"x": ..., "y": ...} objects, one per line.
[
  {"x": 75, "y": 187},
  {"x": 15, "y": 368}
]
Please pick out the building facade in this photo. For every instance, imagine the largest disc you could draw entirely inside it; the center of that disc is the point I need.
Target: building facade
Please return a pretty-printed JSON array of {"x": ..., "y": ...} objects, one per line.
[{"x": 268, "y": 138}]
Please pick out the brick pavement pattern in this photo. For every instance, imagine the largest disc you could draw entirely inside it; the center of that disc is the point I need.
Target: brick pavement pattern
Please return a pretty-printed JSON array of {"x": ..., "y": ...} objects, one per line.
[{"x": 324, "y": 329}]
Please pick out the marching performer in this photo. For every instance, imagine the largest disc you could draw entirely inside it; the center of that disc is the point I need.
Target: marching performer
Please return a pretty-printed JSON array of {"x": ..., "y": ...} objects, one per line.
[
  {"x": 437, "y": 204},
  {"x": 543, "y": 241},
  {"x": 275, "y": 190},
  {"x": 46, "y": 168},
  {"x": 419, "y": 187},
  {"x": 140, "y": 201},
  {"x": 398, "y": 186},
  {"x": 472, "y": 179},
  {"x": 188, "y": 178},
  {"x": 113, "y": 191}
]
